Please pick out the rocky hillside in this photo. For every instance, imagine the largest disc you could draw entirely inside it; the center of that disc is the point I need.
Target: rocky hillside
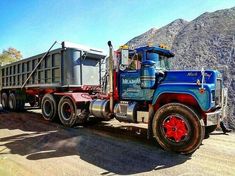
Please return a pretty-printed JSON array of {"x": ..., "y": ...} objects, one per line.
[
  {"x": 155, "y": 36},
  {"x": 208, "y": 41}
]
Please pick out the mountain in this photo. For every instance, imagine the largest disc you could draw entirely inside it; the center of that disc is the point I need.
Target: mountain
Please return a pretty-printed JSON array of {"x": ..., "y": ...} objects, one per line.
[
  {"x": 207, "y": 41},
  {"x": 165, "y": 35}
]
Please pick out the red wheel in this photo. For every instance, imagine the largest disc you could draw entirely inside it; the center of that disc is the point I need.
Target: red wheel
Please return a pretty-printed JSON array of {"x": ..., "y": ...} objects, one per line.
[
  {"x": 175, "y": 128},
  {"x": 178, "y": 128}
]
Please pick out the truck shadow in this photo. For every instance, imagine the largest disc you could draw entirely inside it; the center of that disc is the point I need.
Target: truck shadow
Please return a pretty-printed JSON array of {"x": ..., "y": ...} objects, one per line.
[{"x": 121, "y": 150}]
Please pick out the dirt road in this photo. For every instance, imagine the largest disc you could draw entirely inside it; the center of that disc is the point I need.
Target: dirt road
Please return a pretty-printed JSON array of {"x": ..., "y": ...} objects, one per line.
[{"x": 31, "y": 146}]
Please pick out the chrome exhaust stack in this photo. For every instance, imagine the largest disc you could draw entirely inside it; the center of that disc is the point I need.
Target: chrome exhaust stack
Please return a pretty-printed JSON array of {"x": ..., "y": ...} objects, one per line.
[{"x": 111, "y": 76}]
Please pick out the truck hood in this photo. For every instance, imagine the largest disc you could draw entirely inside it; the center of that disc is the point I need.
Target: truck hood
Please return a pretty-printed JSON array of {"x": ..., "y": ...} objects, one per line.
[{"x": 190, "y": 76}]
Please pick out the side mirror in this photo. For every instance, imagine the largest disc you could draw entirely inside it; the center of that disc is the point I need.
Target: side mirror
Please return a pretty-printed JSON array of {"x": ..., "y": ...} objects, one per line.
[{"x": 124, "y": 56}]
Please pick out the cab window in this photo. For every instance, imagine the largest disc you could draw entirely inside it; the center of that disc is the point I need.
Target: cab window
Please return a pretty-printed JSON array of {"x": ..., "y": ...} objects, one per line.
[{"x": 135, "y": 62}]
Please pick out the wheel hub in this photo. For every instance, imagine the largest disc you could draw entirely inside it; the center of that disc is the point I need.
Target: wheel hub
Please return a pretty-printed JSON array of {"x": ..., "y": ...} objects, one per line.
[
  {"x": 66, "y": 111},
  {"x": 175, "y": 128}
]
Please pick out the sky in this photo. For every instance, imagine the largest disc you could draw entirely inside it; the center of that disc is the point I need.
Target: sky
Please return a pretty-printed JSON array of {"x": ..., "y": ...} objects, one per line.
[{"x": 31, "y": 26}]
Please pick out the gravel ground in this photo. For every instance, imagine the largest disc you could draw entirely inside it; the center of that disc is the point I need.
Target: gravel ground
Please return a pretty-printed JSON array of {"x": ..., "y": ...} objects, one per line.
[{"x": 30, "y": 145}]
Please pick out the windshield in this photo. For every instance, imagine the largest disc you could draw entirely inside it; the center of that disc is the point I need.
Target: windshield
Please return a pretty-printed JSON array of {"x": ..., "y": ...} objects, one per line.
[
  {"x": 162, "y": 62},
  {"x": 135, "y": 59}
]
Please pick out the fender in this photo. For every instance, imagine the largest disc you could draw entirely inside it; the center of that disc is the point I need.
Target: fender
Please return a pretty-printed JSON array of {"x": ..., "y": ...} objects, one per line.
[
  {"x": 76, "y": 96},
  {"x": 203, "y": 99}
]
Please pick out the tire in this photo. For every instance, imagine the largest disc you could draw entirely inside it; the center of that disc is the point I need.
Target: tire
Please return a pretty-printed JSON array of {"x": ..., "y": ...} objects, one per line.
[
  {"x": 49, "y": 107},
  {"x": 67, "y": 112},
  {"x": 4, "y": 101},
  {"x": 177, "y": 128},
  {"x": 12, "y": 102}
]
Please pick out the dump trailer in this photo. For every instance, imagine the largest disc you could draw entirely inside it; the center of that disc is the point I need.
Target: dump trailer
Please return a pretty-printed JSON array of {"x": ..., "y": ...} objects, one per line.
[
  {"x": 70, "y": 71},
  {"x": 178, "y": 107}
]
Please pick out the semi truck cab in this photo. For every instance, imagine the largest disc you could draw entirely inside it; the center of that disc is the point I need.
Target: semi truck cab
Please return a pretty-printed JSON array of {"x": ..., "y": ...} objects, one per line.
[
  {"x": 146, "y": 77},
  {"x": 179, "y": 106}
]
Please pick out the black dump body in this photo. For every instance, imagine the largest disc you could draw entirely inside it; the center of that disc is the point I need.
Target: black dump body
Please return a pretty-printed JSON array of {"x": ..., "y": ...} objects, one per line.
[{"x": 71, "y": 65}]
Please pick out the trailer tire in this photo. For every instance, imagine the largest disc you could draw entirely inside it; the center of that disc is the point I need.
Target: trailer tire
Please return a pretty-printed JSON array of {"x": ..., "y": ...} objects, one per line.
[
  {"x": 178, "y": 128},
  {"x": 12, "y": 102},
  {"x": 16, "y": 103},
  {"x": 49, "y": 107},
  {"x": 4, "y": 101},
  {"x": 67, "y": 112}
]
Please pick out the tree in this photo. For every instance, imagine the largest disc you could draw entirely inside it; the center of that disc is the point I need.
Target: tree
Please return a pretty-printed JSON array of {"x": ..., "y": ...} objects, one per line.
[{"x": 10, "y": 55}]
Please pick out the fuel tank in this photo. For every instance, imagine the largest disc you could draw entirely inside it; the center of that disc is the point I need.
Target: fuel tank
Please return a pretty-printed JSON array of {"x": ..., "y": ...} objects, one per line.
[
  {"x": 100, "y": 108},
  {"x": 126, "y": 111}
]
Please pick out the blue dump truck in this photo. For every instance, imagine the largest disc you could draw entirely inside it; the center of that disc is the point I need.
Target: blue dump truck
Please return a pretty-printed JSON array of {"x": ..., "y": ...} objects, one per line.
[{"x": 179, "y": 107}]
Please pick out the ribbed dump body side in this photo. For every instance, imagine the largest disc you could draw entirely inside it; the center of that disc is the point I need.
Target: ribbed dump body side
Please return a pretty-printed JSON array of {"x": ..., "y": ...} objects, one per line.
[
  {"x": 63, "y": 67},
  {"x": 48, "y": 72}
]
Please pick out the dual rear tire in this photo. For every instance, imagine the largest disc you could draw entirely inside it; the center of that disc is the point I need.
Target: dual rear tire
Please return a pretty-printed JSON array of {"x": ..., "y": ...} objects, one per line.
[
  {"x": 16, "y": 102},
  {"x": 70, "y": 114},
  {"x": 65, "y": 109},
  {"x": 13, "y": 102}
]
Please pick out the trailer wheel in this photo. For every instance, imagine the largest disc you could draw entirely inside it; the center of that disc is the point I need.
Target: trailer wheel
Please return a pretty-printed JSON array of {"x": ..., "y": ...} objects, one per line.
[
  {"x": 67, "y": 112},
  {"x": 4, "y": 101},
  {"x": 16, "y": 103},
  {"x": 178, "y": 128},
  {"x": 49, "y": 107},
  {"x": 12, "y": 102}
]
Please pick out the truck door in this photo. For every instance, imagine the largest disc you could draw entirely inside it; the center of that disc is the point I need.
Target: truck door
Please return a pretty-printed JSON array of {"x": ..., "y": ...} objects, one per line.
[{"x": 130, "y": 85}]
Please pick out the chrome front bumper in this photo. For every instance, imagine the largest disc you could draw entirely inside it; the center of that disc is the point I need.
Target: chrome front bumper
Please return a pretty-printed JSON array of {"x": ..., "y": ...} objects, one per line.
[{"x": 213, "y": 118}]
